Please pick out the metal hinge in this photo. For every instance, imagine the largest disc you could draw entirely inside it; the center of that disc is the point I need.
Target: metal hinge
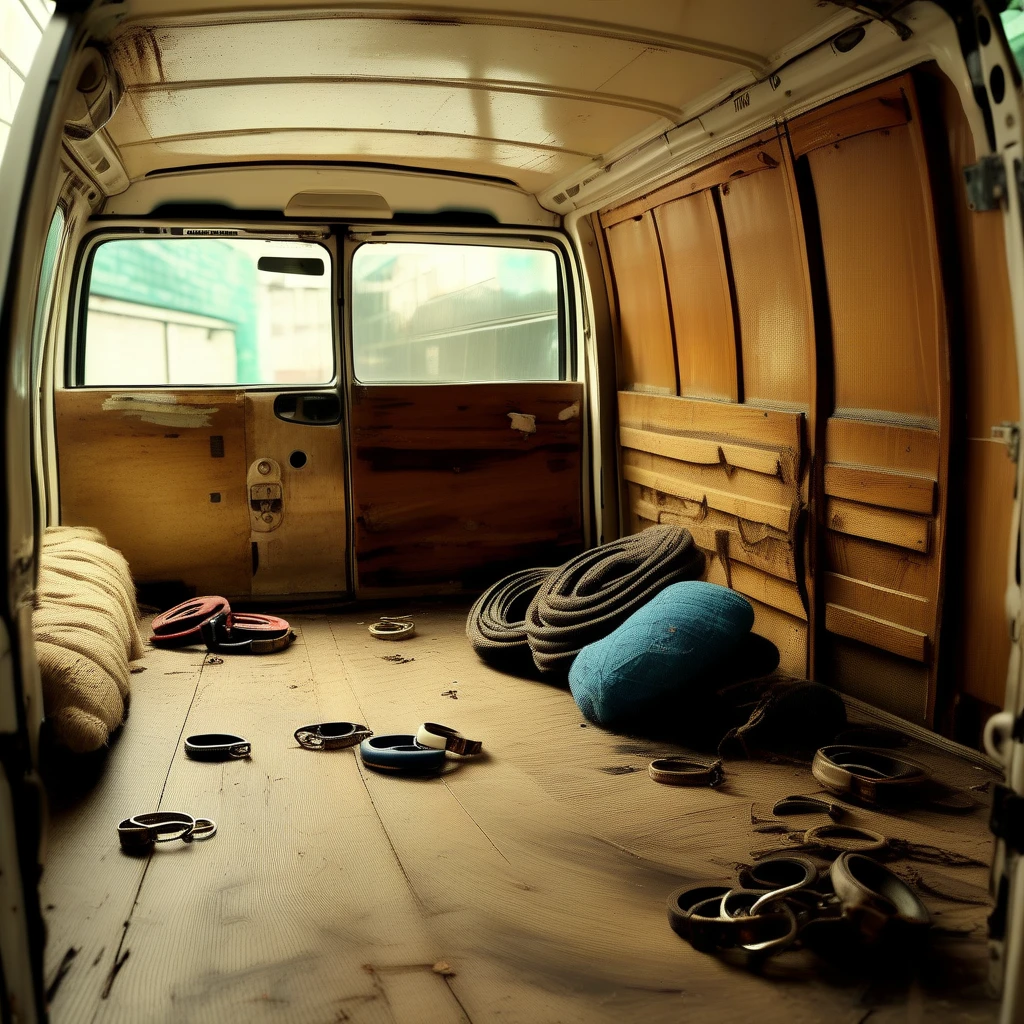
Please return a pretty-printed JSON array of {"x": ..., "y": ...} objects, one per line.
[
  {"x": 985, "y": 182},
  {"x": 1009, "y": 434}
]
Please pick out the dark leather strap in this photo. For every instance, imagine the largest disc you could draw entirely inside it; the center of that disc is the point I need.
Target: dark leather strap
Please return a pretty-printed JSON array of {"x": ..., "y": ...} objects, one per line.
[
  {"x": 219, "y": 639},
  {"x": 868, "y": 775},
  {"x": 876, "y": 901},
  {"x": 807, "y": 805},
  {"x": 331, "y": 735},
  {"x": 675, "y": 771},
  {"x": 217, "y": 746}
]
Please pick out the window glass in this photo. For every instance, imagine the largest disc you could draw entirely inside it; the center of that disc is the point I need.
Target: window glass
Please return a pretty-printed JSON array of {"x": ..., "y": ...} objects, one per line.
[
  {"x": 208, "y": 311},
  {"x": 1013, "y": 26},
  {"x": 429, "y": 312}
]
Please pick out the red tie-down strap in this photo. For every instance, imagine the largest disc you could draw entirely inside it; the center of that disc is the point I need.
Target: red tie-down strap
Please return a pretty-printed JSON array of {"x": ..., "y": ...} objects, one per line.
[{"x": 180, "y": 625}]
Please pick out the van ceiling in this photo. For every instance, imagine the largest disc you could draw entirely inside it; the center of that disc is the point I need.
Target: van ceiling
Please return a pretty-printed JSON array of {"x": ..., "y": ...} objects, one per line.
[{"x": 535, "y": 92}]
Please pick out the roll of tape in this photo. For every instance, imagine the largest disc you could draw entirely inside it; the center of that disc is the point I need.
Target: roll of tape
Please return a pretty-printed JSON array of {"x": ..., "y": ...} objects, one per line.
[
  {"x": 400, "y": 753},
  {"x": 442, "y": 737}
]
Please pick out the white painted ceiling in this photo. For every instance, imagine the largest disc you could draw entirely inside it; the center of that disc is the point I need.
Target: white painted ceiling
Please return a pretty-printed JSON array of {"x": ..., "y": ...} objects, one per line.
[{"x": 530, "y": 91}]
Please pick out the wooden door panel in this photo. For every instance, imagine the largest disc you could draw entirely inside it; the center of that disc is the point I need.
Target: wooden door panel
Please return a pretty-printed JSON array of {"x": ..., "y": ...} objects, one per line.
[
  {"x": 306, "y": 553},
  {"x": 162, "y": 475},
  {"x": 455, "y": 485}
]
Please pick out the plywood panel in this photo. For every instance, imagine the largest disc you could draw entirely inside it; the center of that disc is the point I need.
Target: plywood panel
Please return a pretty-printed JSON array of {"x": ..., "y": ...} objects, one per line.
[
  {"x": 756, "y": 585},
  {"x": 306, "y": 554},
  {"x": 897, "y": 528},
  {"x": 769, "y": 275},
  {"x": 701, "y": 451},
  {"x": 647, "y": 357},
  {"x": 146, "y": 469},
  {"x": 700, "y": 301},
  {"x": 450, "y": 493},
  {"x": 789, "y": 635},
  {"x": 878, "y": 487},
  {"x": 884, "y": 566},
  {"x": 883, "y": 276}
]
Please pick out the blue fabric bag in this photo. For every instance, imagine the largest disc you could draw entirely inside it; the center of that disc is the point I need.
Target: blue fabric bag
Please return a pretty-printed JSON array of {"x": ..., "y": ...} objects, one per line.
[{"x": 663, "y": 650}]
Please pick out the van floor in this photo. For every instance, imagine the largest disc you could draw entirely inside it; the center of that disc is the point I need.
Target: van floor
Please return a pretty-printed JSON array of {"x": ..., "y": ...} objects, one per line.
[{"x": 525, "y": 885}]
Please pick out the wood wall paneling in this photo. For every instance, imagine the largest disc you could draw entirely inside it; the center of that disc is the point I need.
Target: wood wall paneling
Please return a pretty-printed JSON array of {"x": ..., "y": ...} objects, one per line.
[
  {"x": 647, "y": 357},
  {"x": 884, "y": 283},
  {"x": 306, "y": 554},
  {"x": 701, "y": 305},
  {"x": 887, "y": 441},
  {"x": 162, "y": 475},
  {"x": 770, "y": 278},
  {"x": 449, "y": 494}
]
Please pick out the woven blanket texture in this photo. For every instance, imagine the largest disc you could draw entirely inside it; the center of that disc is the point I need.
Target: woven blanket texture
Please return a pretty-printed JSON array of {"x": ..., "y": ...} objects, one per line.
[{"x": 85, "y": 624}]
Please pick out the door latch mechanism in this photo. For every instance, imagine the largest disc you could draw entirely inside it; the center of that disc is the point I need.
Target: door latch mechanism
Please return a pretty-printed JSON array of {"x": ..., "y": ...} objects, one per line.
[{"x": 266, "y": 495}]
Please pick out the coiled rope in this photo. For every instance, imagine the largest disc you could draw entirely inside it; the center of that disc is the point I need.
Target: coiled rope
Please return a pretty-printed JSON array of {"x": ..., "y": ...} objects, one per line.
[
  {"x": 593, "y": 593},
  {"x": 496, "y": 626}
]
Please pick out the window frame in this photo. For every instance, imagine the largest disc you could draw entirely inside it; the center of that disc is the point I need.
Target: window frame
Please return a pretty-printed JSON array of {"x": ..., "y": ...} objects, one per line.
[
  {"x": 74, "y": 353},
  {"x": 554, "y": 242}
]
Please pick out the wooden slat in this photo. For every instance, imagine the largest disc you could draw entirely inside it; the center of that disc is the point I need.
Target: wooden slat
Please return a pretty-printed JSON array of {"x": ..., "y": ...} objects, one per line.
[
  {"x": 647, "y": 357},
  {"x": 885, "y": 525},
  {"x": 752, "y": 155},
  {"x": 904, "y": 609},
  {"x": 880, "y": 106},
  {"x": 699, "y": 298},
  {"x": 139, "y": 466},
  {"x": 868, "y": 629},
  {"x": 878, "y": 487},
  {"x": 702, "y": 451},
  {"x": 771, "y": 290},
  {"x": 883, "y": 445},
  {"x": 757, "y": 585},
  {"x": 743, "y": 423},
  {"x": 779, "y": 516}
]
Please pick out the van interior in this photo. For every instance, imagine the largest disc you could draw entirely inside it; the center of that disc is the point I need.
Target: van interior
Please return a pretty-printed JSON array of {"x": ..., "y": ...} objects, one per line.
[{"x": 344, "y": 312}]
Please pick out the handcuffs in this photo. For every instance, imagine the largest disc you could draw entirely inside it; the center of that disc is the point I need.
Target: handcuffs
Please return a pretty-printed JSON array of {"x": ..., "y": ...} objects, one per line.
[
  {"x": 780, "y": 903},
  {"x": 139, "y": 833}
]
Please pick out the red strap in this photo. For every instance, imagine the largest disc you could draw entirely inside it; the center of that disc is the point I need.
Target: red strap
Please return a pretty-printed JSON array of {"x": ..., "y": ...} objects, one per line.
[
  {"x": 251, "y": 626},
  {"x": 189, "y": 615}
]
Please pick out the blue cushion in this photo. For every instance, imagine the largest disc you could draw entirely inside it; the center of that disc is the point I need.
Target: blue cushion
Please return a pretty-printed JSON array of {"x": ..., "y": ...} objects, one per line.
[{"x": 659, "y": 652}]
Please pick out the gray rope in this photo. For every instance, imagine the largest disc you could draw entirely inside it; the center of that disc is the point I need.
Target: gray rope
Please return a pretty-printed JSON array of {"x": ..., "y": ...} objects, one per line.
[
  {"x": 496, "y": 625},
  {"x": 593, "y": 593}
]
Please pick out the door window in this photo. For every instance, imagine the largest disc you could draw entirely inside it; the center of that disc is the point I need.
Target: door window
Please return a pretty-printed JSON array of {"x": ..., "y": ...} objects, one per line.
[
  {"x": 210, "y": 311},
  {"x": 444, "y": 313}
]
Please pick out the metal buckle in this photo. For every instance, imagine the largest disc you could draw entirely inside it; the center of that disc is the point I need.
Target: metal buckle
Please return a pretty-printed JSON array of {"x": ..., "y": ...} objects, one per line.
[{"x": 331, "y": 735}]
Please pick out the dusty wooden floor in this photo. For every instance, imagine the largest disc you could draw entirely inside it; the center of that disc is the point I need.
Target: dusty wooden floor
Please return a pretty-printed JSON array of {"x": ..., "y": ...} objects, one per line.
[{"x": 538, "y": 873}]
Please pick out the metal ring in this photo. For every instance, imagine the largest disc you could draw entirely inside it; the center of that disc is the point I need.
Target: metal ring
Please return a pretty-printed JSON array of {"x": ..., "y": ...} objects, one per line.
[
  {"x": 206, "y": 828},
  {"x": 441, "y": 737},
  {"x": 392, "y": 629},
  {"x": 141, "y": 831},
  {"x": 675, "y": 771},
  {"x": 400, "y": 753},
  {"x": 331, "y": 735},
  {"x": 217, "y": 746},
  {"x": 756, "y": 899},
  {"x": 844, "y": 838}
]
